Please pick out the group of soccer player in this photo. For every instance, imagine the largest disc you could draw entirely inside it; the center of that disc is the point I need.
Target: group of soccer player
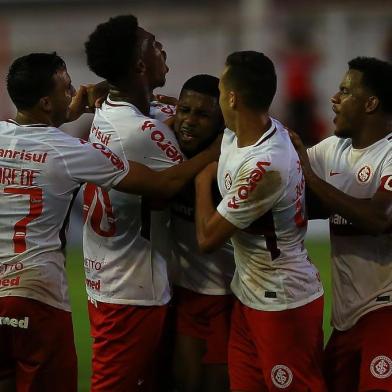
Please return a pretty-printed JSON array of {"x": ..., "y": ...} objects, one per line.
[{"x": 195, "y": 216}]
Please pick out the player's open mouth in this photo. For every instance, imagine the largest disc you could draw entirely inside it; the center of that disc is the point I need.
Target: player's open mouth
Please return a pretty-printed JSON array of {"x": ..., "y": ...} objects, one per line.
[{"x": 186, "y": 135}]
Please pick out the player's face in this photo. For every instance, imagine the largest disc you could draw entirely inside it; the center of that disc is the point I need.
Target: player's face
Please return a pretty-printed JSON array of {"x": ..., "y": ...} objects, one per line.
[
  {"x": 197, "y": 121},
  {"x": 349, "y": 104},
  {"x": 154, "y": 58},
  {"x": 225, "y": 103}
]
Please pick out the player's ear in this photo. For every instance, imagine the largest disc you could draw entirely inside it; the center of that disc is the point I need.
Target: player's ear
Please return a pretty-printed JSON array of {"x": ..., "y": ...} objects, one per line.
[
  {"x": 372, "y": 104},
  {"x": 232, "y": 99},
  {"x": 45, "y": 104},
  {"x": 140, "y": 67}
]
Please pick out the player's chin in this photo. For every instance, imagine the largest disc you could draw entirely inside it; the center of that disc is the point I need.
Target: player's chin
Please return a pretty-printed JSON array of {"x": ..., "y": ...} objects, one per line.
[{"x": 341, "y": 133}]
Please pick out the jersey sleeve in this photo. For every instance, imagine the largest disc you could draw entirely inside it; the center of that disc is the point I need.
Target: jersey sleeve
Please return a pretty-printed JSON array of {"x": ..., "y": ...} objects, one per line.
[
  {"x": 153, "y": 144},
  {"x": 254, "y": 191},
  {"x": 161, "y": 111},
  {"x": 386, "y": 176},
  {"x": 89, "y": 162},
  {"x": 317, "y": 156}
]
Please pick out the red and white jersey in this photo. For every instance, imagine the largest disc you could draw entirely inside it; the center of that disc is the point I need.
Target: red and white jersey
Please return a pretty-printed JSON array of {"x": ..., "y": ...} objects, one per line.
[
  {"x": 263, "y": 196},
  {"x": 126, "y": 245},
  {"x": 161, "y": 111},
  {"x": 41, "y": 168},
  {"x": 361, "y": 263},
  {"x": 209, "y": 274}
]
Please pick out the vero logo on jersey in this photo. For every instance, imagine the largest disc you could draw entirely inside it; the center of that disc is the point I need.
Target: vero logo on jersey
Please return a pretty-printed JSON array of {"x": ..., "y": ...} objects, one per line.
[
  {"x": 244, "y": 191},
  {"x": 160, "y": 140},
  {"x": 117, "y": 162}
]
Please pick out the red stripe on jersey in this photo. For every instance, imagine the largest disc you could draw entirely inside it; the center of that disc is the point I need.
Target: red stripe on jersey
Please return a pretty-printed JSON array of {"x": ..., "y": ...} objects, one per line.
[{"x": 386, "y": 184}]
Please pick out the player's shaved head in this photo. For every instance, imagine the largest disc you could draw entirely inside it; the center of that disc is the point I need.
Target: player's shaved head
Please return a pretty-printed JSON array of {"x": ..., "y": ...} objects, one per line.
[
  {"x": 252, "y": 75},
  {"x": 112, "y": 48},
  {"x": 31, "y": 78},
  {"x": 203, "y": 84}
]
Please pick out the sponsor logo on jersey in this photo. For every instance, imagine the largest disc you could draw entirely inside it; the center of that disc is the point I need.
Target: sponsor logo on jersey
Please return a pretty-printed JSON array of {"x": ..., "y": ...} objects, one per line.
[
  {"x": 116, "y": 161},
  {"x": 161, "y": 142},
  {"x": 10, "y": 282},
  {"x": 7, "y": 267},
  {"x": 364, "y": 174},
  {"x": 381, "y": 367},
  {"x": 94, "y": 284},
  {"x": 386, "y": 183},
  {"x": 244, "y": 191},
  {"x": 228, "y": 181},
  {"x": 104, "y": 139},
  {"x": 16, "y": 323},
  {"x": 92, "y": 264},
  {"x": 281, "y": 376},
  {"x": 37, "y": 157},
  {"x": 12, "y": 176}
]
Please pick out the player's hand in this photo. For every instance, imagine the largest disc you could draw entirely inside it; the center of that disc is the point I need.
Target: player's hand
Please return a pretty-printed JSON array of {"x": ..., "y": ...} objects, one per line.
[
  {"x": 166, "y": 99},
  {"x": 208, "y": 174},
  {"x": 302, "y": 153},
  {"x": 79, "y": 104},
  {"x": 97, "y": 94}
]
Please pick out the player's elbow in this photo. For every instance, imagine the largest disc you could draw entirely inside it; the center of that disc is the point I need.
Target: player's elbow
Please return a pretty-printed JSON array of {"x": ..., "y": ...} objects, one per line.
[{"x": 206, "y": 245}]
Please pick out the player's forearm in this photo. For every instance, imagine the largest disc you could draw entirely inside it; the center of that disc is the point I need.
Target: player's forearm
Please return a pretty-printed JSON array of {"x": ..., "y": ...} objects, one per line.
[
  {"x": 204, "y": 210},
  {"x": 363, "y": 213},
  {"x": 172, "y": 180}
]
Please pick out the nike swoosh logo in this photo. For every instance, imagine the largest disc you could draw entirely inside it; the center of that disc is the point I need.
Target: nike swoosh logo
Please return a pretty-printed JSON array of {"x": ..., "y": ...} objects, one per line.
[{"x": 332, "y": 173}]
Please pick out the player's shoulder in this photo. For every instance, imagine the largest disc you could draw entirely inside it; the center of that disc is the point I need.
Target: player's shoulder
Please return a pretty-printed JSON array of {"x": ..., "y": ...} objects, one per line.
[{"x": 161, "y": 111}]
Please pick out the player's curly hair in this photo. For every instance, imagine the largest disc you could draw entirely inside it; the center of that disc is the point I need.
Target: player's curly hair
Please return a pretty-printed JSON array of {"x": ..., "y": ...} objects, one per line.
[
  {"x": 111, "y": 48},
  {"x": 377, "y": 77},
  {"x": 31, "y": 78},
  {"x": 252, "y": 74}
]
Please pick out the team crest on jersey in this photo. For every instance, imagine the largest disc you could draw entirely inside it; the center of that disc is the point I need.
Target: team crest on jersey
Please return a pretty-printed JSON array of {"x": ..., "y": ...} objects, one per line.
[
  {"x": 228, "y": 181},
  {"x": 364, "y": 174},
  {"x": 381, "y": 366},
  {"x": 281, "y": 376}
]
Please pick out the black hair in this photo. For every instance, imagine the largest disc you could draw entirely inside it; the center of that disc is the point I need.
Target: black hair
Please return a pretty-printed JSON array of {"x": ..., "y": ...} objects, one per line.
[
  {"x": 252, "y": 75},
  {"x": 31, "y": 77},
  {"x": 111, "y": 48},
  {"x": 377, "y": 77},
  {"x": 203, "y": 84}
]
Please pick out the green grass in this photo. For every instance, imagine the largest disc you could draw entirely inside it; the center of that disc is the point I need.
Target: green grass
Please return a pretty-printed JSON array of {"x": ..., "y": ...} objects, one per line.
[{"x": 318, "y": 250}]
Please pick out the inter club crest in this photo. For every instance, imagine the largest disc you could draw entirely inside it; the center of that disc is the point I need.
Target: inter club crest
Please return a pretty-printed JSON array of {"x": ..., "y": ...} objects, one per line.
[
  {"x": 364, "y": 174},
  {"x": 228, "y": 181},
  {"x": 381, "y": 367},
  {"x": 281, "y": 376}
]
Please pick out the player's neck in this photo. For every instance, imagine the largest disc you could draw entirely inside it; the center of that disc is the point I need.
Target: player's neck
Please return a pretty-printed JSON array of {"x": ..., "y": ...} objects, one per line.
[
  {"x": 138, "y": 94},
  {"x": 372, "y": 132},
  {"x": 250, "y": 127},
  {"x": 32, "y": 117}
]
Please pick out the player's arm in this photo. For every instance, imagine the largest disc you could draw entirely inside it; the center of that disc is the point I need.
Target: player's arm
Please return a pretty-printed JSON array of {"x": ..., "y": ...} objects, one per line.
[
  {"x": 166, "y": 183},
  {"x": 374, "y": 216},
  {"x": 212, "y": 229}
]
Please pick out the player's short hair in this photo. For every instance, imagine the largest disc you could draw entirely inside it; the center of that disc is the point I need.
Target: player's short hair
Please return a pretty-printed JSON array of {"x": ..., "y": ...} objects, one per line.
[
  {"x": 203, "y": 84},
  {"x": 252, "y": 74},
  {"x": 112, "y": 49},
  {"x": 31, "y": 77},
  {"x": 377, "y": 77}
]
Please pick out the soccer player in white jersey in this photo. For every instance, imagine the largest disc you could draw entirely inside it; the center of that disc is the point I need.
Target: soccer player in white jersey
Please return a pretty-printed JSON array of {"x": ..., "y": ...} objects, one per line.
[
  {"x": 201, "y": 294},
  {"x": 125, "y": 241},
  {"x": 276, "y": 333},
  {"x": 351, "y": 174},
  {"x": 41, "y": 168}
]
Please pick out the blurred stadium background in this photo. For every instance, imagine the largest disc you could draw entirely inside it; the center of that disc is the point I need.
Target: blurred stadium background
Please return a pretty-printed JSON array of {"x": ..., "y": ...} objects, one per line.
[{"x": 310, "y": 42}]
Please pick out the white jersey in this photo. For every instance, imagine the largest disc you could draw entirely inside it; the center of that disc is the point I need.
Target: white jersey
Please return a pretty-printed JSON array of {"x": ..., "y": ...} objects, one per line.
[
  {"x": 161, "y": 111},
  {"x": 361, "y": 263},
  {"x": 209, "y": 274},
  {"x": 263, "y": 196},
  {"x": 41, "y": 168},
  {"x": 126, "y": 245}
]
